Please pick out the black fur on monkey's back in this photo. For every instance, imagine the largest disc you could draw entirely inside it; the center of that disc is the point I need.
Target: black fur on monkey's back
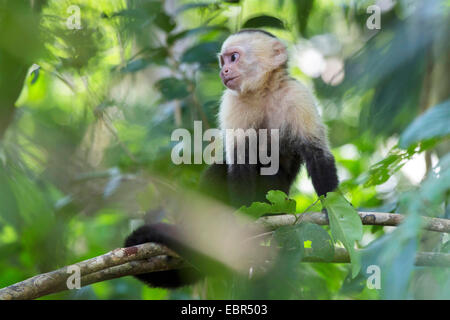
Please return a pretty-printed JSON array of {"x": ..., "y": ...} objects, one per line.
[{"x": 242, "y": 184}]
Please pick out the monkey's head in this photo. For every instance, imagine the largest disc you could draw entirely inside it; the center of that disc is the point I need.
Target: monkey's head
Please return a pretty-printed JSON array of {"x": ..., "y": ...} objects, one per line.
[{"x": 248, "y": 57}]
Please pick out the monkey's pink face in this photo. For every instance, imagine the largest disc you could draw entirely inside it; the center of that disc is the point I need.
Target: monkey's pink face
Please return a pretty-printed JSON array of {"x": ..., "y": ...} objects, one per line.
[{"x": 229, "y": 64}]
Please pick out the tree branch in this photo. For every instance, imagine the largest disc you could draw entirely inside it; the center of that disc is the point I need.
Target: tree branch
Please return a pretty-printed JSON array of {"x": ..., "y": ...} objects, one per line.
[
  {"x": 94, "y": 269},
  {"x": 367, "y": 218},
  {"x": 151, "y": 257}
]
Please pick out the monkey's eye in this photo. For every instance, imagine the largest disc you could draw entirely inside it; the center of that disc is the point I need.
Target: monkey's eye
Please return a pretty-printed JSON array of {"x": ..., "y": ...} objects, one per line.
[{"x": 234, "y": 57}]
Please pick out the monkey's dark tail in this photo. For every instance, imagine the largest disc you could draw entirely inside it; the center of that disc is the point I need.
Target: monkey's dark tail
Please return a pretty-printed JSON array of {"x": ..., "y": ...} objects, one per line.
[{"x": 169, "y": 236}]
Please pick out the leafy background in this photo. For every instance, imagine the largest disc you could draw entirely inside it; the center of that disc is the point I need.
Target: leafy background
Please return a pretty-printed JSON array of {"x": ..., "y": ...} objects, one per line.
[{"x": 86, "y": 117}]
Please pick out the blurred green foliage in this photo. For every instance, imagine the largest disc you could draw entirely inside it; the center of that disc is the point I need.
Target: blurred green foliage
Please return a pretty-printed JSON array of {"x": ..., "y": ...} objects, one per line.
[{"x": 86, "y": 117}]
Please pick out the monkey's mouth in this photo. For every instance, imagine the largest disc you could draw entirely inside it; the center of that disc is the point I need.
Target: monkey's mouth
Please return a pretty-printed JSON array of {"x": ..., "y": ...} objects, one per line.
[{"x": 227, "y": 81}]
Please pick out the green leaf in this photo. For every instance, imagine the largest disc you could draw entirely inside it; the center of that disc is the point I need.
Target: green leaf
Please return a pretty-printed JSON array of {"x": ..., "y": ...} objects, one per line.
[
  {"x": 156, "y": 55},
  {"x": 279, "y": 203},
  {"x": 292, "y": 248},
  {"x": 303, "y": 12},
  {"x": 321, "y": 243},
  {"x": 289, "y": 238},
  {"x": 345, "y": 224},
  {"x": 264, "y": 21},
  {"x": 172, "y": 88},
  {"x": 256, "y": 209},
  {"x": 353, "y": 285},
  {"x": 165, "y": 22},
  {"x": 383, "y": 170},
  {"x": 432, "y": 124},
  {"x": 293, "y": 238},
  {"x": 202, "y": 53},
  {"x": 135, "y": 65}
]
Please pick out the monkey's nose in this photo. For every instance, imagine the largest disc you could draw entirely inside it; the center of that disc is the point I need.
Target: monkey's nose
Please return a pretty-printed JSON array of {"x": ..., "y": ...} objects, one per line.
[{"x": 224, "y": 73}]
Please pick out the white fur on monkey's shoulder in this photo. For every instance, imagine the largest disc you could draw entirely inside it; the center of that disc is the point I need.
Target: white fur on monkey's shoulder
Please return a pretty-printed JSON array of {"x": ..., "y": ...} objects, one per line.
[{"x": 291, "y": 106}]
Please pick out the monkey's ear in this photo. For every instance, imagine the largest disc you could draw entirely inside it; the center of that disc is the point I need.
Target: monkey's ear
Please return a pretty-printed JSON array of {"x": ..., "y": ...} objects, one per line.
[{"x": 280, "y": 55}]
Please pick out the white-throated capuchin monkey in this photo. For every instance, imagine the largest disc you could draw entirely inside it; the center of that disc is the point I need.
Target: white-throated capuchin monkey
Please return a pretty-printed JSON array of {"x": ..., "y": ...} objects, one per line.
[{"x": 259, "y": 95}]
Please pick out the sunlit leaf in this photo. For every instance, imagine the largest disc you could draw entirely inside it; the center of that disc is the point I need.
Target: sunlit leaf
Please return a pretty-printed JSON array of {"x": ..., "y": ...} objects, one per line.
[
  {"x": 279, "y": 203},
  {"x": 381, "y": 171},
  {"x": 256, "y": 209}
]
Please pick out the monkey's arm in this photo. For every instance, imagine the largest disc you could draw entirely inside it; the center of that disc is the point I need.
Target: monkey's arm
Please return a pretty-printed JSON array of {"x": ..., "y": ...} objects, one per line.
[
  {"x": 311, "y": 143},
  {"x": 321, "y": 167}
]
